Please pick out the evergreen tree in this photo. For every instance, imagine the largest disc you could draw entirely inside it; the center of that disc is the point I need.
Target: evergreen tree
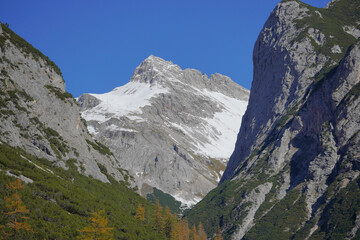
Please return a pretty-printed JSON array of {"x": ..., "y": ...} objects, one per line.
[
  {"x": 16, "y": 214},
  {"x": 97, "y": 230}
]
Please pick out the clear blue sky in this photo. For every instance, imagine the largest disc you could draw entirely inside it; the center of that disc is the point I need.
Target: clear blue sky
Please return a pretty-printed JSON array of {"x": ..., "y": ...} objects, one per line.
[{"x": 98, "y": 43}]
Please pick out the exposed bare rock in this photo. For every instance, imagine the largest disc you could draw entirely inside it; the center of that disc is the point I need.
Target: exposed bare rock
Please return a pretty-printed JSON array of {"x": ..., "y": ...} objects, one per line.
[
  {"x": 300, "y": 132},
  {"x": 173, "y": 129},
  {"x": 352, "y": 30},
  {"x": 38, "y": 115}
]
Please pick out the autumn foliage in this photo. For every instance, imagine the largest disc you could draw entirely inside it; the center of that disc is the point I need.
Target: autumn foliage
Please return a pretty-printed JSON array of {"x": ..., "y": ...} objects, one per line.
[
  {"x": 171, "y": 225},
  {"x": 218, "y": 235},
  {"x": 162, "y": 221},
  {"x": 159, "y": 218},
  {"x": 140, "y": 213},
  {"x": 16, "y": 214},
  {"x": 201, "y": 232},
  {"x": 97, "y": 229}
]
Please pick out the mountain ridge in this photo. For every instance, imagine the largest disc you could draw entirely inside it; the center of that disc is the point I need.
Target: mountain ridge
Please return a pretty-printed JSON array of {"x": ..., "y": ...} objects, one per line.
[
  {"x": 175, "y": 119},
  {"x": 297, "y": 150}
]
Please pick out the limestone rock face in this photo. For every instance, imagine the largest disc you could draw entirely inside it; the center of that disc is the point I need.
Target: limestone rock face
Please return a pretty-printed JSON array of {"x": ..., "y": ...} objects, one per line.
[
  {"x": 294, "y": 170},
  {"x": 172, "y": 129},
  {"x": 38, "y": 115},
  {"x": 276, "y": 86}
]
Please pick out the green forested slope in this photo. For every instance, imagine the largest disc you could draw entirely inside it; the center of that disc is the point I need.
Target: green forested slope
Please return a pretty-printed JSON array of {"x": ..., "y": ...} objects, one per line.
[{"x": 60, "y": 201}]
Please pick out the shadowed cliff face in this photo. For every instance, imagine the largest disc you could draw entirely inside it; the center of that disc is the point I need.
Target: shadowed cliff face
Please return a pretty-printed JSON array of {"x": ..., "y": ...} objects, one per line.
[
  {"x": 173, "y": 129},
  {"x": 297, "y": 149}
]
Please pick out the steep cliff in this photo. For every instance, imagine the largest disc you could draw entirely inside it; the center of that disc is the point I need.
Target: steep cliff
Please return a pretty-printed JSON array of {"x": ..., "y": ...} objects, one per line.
[
  {"x": 39, "y": 116},
  {"x": 294, "y": 171},
  {"x": 173, "y": 129}
]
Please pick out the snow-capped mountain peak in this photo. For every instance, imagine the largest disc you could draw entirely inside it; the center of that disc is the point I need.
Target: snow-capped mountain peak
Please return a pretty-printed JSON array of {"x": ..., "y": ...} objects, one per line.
[{"x": 173, "y": 129}]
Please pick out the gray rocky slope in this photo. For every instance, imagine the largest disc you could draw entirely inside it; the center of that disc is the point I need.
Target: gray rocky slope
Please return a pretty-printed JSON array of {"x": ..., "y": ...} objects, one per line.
[
  {"x": 172, "y": 129},
  {"x": 39, "y": 116},
  {"x": 294, "y": 173}
]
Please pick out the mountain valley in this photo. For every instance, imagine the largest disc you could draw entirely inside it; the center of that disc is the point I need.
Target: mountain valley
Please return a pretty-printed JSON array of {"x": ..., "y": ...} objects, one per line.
[{"x": 281, "y": 161}]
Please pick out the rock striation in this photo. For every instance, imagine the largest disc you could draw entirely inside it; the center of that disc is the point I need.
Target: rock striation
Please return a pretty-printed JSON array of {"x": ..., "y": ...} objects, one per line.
[
  {"x": 172, "y": 129},
  {"x": 39, "y": 116},
  {"x": 294, "y": 173}
]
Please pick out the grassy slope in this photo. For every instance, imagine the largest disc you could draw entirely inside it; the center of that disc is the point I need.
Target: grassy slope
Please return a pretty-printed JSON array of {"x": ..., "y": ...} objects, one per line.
[{"x": 60, "y": 202}]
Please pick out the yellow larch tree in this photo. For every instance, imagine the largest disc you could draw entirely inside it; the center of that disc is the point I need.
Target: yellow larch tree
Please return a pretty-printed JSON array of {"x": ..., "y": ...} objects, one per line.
[
  {"x": 169, "y": 222},
  {"x": 180, "y": 230},
  {"x": 194, "y": 233},
  {"x": 158, "y": 217},
  {"x": 201, "y": 232},
  {"x": 175, "y": 231},
  {"x": 185, "y": 229},
  {"x": 140, "y": 213},
  {"x": 16, "y": 213},
  {"x": 218, "y": 235},
  {"x": 98, "y": 229}
]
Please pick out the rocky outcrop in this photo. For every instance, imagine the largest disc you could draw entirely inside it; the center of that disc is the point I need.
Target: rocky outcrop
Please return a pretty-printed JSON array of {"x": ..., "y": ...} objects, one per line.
[
  {"x": 39, "y": 116},
  {"x": 276, "y": 86},
  {"x": 300, "y": 132},
  {"x": 173, "y": 129}
]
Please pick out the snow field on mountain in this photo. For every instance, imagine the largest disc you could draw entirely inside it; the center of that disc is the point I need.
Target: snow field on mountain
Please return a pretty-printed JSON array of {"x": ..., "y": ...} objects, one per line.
[
  {"x": 123, "y": 101},
  {"x": 226, "y": 122}
]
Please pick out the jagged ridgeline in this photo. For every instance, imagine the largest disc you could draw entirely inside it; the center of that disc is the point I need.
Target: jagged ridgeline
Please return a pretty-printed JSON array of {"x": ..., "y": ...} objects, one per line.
[
  {"x": 294, "y": 173},
  {"x": 173, "y": 129},
  {"x": 45, "y": 143}
]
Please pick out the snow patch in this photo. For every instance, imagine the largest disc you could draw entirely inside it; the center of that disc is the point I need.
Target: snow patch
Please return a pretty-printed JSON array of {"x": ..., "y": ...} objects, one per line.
[
  {"x": 135, "y": 118},
  {"x": 91, "y": 130},
  {"x": 186, "y": 203},
  {"x": 223, "y": 127},
  {"x": 221, "y": 130},
  {"x": 184, "y": 129},
  {"x": 122, "y": 101},
  {"x": 113, "y": 127},
  {"x": 219, "y": 176}
]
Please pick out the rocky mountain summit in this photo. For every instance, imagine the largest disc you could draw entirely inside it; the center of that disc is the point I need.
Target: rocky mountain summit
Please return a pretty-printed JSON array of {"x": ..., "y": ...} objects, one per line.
[
  {"x": 294, "y": 173},
  {"x": 39, "y": 116},
  {"x": 172, "y": 129}
]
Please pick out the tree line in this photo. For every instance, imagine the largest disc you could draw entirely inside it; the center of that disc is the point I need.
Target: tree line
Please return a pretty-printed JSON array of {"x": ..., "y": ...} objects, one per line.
[
  {"x": 173, "y": 226},
  {"x": 165, "y": 222}
]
